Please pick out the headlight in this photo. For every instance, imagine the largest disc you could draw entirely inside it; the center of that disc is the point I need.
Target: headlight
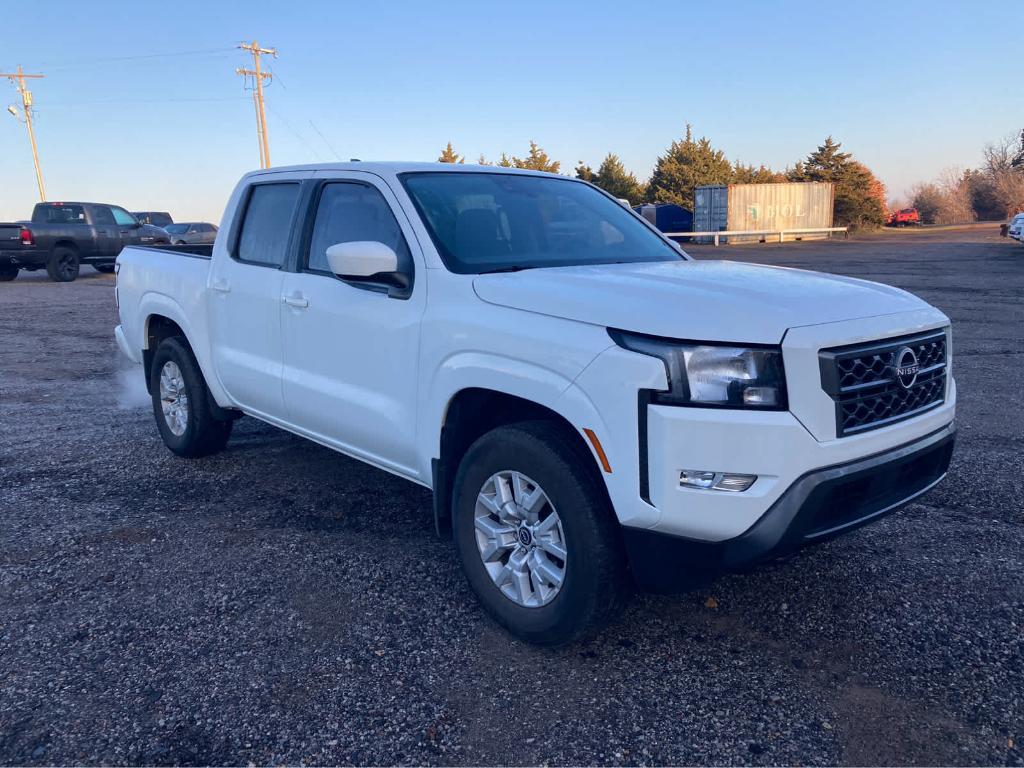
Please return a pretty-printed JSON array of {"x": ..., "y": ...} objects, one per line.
[{"x": 716, "y": 375}]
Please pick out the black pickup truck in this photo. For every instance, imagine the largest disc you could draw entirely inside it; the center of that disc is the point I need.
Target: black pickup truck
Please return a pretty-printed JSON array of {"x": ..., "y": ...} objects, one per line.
[{"x": 63, "y": 236}]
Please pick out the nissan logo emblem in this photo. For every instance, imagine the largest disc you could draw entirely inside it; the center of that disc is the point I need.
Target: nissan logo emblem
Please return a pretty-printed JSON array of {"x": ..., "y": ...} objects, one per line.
[{"x": 906, "y": 367}]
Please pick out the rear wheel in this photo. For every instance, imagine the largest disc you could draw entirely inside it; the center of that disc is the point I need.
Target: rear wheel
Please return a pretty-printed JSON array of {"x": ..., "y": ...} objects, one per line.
[
  {"x": 8, "y": 272},
  {"x": 63, "y": 265},
  {"x": 535, "y": 533},
  {"x": 106, "y": 269},
  {"x": 181, "y": 402}
]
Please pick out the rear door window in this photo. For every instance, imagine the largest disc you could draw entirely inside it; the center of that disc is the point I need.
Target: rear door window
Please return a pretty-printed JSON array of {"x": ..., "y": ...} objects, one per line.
[
  {"x": 62, "y": 214},
  {"x": 267, "y": 225}
]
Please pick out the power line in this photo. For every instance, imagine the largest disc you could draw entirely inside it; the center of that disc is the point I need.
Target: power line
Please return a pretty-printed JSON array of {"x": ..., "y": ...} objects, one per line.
[
  {"x": 297, "y": 135},
  {"x": 336, "y": 155},
  {"x": 62, "y": 104},
  {"x": 81, "y": 63}
]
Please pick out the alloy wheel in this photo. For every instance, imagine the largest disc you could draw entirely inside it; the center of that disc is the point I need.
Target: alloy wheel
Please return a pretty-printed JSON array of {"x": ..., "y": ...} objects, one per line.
[
  {"x": 520, "y": 539},
  {"x": 173, "y": 398}
]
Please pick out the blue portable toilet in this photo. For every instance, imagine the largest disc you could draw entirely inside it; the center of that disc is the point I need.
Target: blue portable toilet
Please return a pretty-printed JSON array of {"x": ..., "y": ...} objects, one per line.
[{"x": 667, "y": 217}]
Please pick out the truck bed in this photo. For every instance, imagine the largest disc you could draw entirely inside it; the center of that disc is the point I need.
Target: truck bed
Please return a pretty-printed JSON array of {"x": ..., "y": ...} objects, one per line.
[
  {"x": 199, "y": 250},
  {"x": 167, "y": 280}
]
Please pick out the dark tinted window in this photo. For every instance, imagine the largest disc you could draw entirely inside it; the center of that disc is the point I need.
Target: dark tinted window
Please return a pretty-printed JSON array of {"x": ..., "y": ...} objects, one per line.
[
  {"x": 352, "y": 212},
  {"x": 102, "y": 215},
  {"x": 160, "y": 219},
  {"x": 267, "y": 224},
  {"x": 59, "y": 214},
  {"x": 483, "y": 222}
]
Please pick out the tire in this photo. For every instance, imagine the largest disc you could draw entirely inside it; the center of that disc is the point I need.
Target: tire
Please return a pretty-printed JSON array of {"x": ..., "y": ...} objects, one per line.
[
  {"x": 63, "y": 265},
  {"x": 181, "y": 242},
  {"x": 195, "y": 431},
  {"x": 8, "y": 272},
  {"x": 106, "y": 269},
  {"x": 594, "y": 582}
]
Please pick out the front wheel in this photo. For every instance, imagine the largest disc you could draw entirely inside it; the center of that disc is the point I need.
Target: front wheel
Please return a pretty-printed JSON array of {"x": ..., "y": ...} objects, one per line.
[
  {"x": 536, "y": 535},
  {"x": 181, "y": 402},
  {"x": 63, "y": 265}
]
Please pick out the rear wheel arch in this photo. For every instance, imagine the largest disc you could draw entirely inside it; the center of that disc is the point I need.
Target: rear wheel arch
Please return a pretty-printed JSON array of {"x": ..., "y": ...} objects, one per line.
[
  {"x": 472, "y": 413},
  {"x": 159, "y": 327}
]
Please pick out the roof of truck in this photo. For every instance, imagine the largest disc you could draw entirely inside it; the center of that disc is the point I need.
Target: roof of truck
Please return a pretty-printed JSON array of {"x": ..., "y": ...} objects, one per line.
[{"x": 394, "y": 167}]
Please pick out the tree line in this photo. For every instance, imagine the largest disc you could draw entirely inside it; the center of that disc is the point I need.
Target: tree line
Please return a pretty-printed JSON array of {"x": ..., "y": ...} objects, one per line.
[
  {"x": 689, "y": 163},
  {"x": 993, "y": 192}
]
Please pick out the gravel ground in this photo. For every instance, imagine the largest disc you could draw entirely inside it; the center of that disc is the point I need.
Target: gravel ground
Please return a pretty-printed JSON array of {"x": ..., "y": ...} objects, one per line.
[{"x": 280, "y": 603}]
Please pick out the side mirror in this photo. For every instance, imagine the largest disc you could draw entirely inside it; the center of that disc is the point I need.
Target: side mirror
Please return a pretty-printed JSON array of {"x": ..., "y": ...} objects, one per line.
[{"x": 361, "y": 259}]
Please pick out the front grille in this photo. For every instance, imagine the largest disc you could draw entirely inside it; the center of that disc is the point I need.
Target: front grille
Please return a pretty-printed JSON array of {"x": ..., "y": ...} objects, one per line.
[{"x": 863, "y": 380}]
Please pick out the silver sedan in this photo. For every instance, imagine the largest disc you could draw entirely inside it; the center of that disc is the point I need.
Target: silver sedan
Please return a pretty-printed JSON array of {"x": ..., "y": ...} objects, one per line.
[{"x": 191, "y": 232}]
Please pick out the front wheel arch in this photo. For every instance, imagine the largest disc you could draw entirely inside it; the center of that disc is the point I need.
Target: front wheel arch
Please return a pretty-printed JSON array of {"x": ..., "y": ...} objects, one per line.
[{"x": 471, "y": 413}]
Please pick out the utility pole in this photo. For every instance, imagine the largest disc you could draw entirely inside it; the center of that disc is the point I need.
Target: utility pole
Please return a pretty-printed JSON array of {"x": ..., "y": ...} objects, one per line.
[
  {"x": 258, "y": 75},
  {"x": 19, "y": 78}
]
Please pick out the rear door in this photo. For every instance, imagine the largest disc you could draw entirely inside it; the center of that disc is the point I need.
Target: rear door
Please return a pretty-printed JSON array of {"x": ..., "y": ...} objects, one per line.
[
  {"x": 245, "y": 293},
  {"x": 350, "y": 353}
]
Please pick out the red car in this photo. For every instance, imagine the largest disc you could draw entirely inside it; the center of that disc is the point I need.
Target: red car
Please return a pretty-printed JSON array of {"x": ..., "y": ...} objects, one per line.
[{"x": 905, "y": 217}]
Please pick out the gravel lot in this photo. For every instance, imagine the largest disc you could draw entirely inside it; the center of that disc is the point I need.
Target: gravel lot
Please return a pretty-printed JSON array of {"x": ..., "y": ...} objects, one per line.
[{"x": 280, "y": 603}]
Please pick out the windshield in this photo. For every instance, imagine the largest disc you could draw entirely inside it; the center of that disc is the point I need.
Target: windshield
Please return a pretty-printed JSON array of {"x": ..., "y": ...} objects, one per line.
[
  {"x": 487, "y": 222},
  {"x": 176, "y": 229}
]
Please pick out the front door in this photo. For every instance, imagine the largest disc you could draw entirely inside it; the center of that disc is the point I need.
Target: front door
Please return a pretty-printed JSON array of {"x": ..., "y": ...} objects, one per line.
[
  {"x": 128, "y": 225},
  {"x": 350, "y": 352},
  {"x": 245, "y": 297},
  {"x": 108, "y": 234}
]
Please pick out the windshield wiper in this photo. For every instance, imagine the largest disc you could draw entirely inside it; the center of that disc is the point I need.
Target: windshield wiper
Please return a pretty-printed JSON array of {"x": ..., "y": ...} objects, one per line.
[{"x": 496, "y": 270}]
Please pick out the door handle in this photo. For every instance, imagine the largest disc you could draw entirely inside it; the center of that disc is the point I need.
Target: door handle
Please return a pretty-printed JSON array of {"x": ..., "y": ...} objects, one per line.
[
  {"x": 221, "y": 286},
  {"x": 299, "y": 302}
]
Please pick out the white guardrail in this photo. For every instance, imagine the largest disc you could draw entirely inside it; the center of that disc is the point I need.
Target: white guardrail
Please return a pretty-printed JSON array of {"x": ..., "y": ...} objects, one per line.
[{"x": 780, "y": 232}]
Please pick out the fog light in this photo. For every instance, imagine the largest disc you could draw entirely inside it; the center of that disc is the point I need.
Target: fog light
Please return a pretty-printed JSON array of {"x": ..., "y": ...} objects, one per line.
[
  {"x": 760, "y": 396},
  {"x": 715, "y": 481}
]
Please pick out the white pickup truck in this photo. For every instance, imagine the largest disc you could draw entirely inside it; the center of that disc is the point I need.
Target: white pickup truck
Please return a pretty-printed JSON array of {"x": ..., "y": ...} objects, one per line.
[{"x": 591, "y": 407}]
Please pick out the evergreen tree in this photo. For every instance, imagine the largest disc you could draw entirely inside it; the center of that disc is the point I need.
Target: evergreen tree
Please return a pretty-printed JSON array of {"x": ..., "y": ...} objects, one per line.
[
  {"x": 537, "y": 160},
  {"x": 482, "y": 160},
  {"x": 685, "y": 165},
  {"x": 614, "y": 179},
  {"x": 449, "y": 155},
  {"x": 585, "y": 172},
  {"x": 506, "y": 161},
  {"x": 859, "y": 196},
  {"x": 748, "y": 174}
]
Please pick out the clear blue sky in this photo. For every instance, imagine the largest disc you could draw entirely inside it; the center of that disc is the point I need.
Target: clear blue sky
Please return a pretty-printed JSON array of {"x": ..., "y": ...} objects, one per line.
[{"x": 909, "y": 87}]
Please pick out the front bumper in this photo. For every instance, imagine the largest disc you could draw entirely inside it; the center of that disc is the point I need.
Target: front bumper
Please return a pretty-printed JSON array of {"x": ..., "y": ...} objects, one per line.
[{"x": 819, "y": 505}]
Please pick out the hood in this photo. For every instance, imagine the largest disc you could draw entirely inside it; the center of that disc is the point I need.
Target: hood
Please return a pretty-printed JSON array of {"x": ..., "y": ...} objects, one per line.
[
  {"x": 700, "y": 300},
  {"x": 149, "y": 230}
]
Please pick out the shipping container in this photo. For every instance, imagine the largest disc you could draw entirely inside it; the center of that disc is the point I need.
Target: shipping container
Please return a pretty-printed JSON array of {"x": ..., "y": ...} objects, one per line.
[
  {"x": 760, "y": 207},
  {"x": 667, "y": 217}
]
